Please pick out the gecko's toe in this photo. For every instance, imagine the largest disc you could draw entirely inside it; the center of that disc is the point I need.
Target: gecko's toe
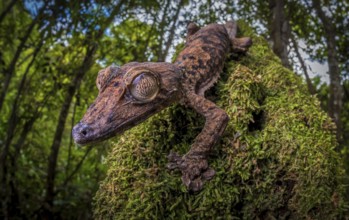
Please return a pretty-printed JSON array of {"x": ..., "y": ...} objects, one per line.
[
  {"x": 193, "y": 185},
  {"x": 208, "y": 174},
  {"x": 196, "y": 185},
  {"x": 194, "y": 172},
  {"x": 186, "y": 180}
]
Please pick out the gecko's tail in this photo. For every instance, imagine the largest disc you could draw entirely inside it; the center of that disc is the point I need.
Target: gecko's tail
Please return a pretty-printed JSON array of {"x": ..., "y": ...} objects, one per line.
[{"x": 238, "y": 44}]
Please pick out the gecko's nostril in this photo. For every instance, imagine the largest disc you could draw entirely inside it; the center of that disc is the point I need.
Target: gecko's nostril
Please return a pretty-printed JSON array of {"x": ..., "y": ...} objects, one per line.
[
  {"x": 84, "y": 132},
  {"x": 84, "y": 129},
  {"x": 81, "y": 132}
]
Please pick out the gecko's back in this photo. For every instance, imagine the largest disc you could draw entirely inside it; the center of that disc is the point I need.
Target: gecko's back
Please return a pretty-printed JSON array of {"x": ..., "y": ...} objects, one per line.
[{"x": 203, "y": 57}]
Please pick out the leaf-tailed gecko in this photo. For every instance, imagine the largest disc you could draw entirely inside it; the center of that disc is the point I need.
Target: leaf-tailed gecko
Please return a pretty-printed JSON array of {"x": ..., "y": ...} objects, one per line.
[{"x": 130, "y": 94}]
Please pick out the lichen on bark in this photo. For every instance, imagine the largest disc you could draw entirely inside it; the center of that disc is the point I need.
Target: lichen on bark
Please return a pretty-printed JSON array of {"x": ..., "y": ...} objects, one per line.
[{"x": 276, "y": 158}]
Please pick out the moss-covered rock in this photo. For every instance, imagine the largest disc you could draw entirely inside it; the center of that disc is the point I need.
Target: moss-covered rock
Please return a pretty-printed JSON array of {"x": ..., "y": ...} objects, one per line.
[{"x": 276, "y": 159}]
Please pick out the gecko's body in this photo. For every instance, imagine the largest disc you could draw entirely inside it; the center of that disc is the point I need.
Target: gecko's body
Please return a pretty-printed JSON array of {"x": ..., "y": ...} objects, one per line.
[
  {"x": 130, "y": 94},
  {"x": 203, "y": 57}
]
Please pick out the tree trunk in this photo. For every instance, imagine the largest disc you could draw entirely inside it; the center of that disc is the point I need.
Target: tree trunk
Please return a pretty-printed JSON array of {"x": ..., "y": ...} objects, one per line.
[
  {"x": 71, "y": 142},
  {"x": 7, "y": 10},
  {"x": 12, "y": 123},
  {"x": 279, "y": 29},
  {"x": 9, "y": 72},
  {"x": 336, "y": 91}
]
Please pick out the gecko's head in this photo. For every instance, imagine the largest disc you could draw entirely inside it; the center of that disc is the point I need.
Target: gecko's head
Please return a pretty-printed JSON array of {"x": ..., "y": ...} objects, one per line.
[{"x": 127, "y": 96}]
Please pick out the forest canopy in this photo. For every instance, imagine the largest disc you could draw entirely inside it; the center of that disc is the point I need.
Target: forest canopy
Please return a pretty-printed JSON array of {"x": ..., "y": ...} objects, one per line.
[{"x": 51, "y": 52}]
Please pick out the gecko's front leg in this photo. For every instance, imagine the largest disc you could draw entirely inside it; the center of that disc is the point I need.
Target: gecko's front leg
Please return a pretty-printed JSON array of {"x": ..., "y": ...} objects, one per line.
[{"x": 194, "y": 165}]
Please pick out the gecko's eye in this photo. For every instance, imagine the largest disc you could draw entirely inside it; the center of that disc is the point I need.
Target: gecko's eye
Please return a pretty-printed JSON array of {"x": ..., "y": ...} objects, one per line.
[{"x": 144, "y": 87}]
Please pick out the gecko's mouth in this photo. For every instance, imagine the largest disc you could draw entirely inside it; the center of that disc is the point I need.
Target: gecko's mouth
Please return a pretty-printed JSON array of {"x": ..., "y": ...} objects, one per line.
[{"x": 84, "y": 134}]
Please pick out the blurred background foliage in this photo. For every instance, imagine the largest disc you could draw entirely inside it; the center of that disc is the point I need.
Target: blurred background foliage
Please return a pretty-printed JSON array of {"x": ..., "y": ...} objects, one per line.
[{"x": 51, "y": 52}]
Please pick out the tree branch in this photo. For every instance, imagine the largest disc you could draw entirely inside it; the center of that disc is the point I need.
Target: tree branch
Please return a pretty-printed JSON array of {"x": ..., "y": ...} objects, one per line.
[
  {"x": 303, "y": 66},
  {"x": 77, "y": 167},
  {"x": 172, "y": 32}
]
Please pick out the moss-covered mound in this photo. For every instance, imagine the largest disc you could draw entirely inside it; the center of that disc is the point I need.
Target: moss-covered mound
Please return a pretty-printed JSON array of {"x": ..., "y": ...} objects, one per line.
[{"x": 276, "y": 159}]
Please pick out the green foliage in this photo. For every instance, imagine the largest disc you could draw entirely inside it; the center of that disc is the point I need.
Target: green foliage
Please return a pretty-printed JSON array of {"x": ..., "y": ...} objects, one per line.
[
  {"x": 253, "y": 91},
  {"x": 276, "y": 159},
  {"x": 134, "y": 40},
  {"x": 48, "y": 64}
]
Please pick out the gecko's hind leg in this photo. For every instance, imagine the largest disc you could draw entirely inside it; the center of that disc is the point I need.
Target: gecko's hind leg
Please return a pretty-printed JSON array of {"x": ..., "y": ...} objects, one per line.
[
  {"x": 241, "y": 45},
  {"x": 238, "y": 44}
]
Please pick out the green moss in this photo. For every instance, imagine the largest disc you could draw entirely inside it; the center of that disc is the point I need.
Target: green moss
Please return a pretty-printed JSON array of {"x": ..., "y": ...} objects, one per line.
[{"x": 275, "y": 160}]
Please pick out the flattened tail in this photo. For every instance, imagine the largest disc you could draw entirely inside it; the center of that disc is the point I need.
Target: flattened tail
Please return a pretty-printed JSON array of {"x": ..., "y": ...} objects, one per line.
[{"x": 239, "y": 44}]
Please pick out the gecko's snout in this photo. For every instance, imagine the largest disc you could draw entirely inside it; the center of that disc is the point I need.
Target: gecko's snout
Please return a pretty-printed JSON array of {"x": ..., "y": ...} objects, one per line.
[{"x": 81, "y": 133}]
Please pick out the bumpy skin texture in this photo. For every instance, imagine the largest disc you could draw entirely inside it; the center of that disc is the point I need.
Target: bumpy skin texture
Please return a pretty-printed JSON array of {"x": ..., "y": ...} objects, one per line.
[{"x": 118, "y": 106}]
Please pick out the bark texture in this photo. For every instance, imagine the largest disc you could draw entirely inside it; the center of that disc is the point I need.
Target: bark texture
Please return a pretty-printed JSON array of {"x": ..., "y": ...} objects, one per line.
[
  {"x": 336, "y": 90},
  {"x": 279, "y": 29}
]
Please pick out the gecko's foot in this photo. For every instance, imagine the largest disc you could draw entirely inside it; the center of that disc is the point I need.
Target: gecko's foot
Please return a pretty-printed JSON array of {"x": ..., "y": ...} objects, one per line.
[
  {"x": 195, "y": 170},
  {"x": 241, "y": 45}
]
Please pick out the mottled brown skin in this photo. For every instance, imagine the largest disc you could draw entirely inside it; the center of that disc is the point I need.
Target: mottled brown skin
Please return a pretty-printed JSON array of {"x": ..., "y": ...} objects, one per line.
[{"x": 130, "y": 94}]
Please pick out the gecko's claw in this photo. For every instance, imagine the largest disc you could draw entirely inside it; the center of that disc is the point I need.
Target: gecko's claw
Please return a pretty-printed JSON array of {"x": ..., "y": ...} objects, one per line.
[
  {"x": 195, "y": 171},
  {"x": 209, "y": 174}
]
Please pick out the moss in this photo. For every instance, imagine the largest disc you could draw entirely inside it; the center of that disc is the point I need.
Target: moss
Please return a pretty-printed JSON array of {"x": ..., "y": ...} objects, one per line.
[{"x": 275, "y": 160}]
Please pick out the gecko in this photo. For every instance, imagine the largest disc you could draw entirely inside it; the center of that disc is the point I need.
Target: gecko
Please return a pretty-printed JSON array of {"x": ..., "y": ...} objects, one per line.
[{"x": 133, "y": 92}]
